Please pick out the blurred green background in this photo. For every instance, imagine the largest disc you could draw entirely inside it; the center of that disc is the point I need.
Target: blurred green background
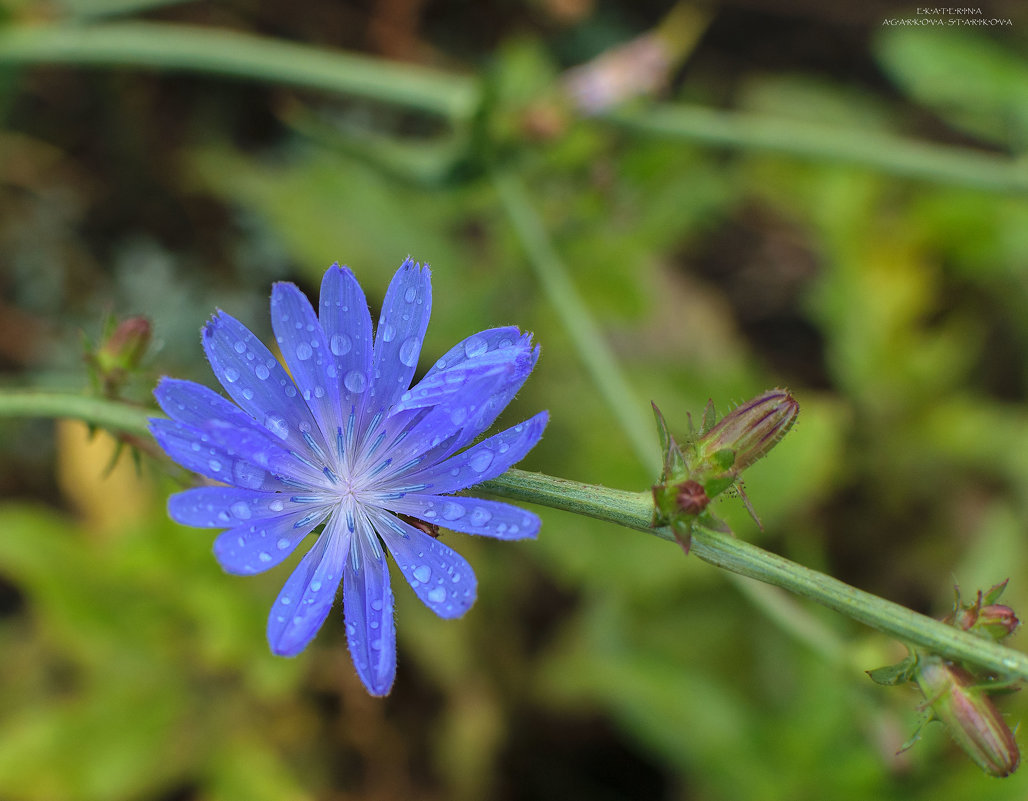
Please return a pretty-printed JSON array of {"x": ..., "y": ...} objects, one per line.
[{"x": 812, "y": 198}]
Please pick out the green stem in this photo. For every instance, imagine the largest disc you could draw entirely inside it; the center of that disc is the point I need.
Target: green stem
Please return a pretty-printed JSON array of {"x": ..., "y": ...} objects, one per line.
[
  {"x": 878, "y": 151},
  {"x": 245, "y": 56},
  {"x": 632, "y": 510},
  {"x": 635, "y": 510}
]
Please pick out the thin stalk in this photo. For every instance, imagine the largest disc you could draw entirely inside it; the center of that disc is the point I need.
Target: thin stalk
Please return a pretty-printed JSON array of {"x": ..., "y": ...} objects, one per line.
[
  {"x": 883, "y": 152},
  {"x": 241, "y": 55},
  {"x": 585, "y": 334},
  {"x": 632, "y": 510}
]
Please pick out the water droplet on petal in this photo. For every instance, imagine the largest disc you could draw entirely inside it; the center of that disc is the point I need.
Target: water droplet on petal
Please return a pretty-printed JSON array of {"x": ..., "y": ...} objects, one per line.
[
  {"x": 240, "y": 346},
  {"x": 215, "y": 465},
  {"x": 376, "y": 605},
  {"x": 340, "y": 344},
  {"x": 409, "y": 351},
  {"x": 355, "y": 381},
  {"x": 437, "y": 595},
  {"x": 282, "y": 544},
  {"x": 231, "y": 374},
  {"x": 261, "y": 371},
  {"x": 315, "y": 586},
  {"x": 475, "y": 346},
  {"x": 458, "y": 416},
  {"x": 422, "y": 573},
  {"x": 264, "y": 556},
  {"x": 248, "y": 393},
  {"x": 452, "y": 511},
  {"x": 277, "y": 426},
  {"x": 481, "y": 461},
  {"x": 241, "y": 510},
  {"x": 410, "y": 294},
  {"x": 388, "y": 333},
  {"x": 303, "y": 351},
  {"x": 276, "y": 506},
  {"x": 480, "y": 516}
]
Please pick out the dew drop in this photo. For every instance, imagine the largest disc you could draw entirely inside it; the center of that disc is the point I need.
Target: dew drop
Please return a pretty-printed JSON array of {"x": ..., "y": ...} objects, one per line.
[
  {"x": 248, "y": 393},
  {"x": 247, "y": 475},
  {"x": 480, "y": 516},
  {"x": 241, "y": 510},
  {"x": 276, "y": 506},
  {"x": 410, "y": 294},
  {"x": 458, "y": 415},
  {"x": 231, "y": 375},
  {"x": 286, "y": 600},
  {"x": 475, "y": 346},
  {"x": 340, "y": 344},
  {"x": 422, "y": 573},
  {"x": 289, "y": 389},
  {"x": 261, "y": 371},
  {"x": 481, "y": 461},
  {"x": 315, "y": 586},
  {"x": 355, "y": 381},
  {"x": 283, "y": 544},
  {"x": 277, "y": 426},
  {"x": 437, "y": 595},
  {"x": 240, "y": 346},
  {"x": 303, "y": 351},
  {"x": 264, "y": 556},
  {"x": 376, "y": 605},
  {"x": 452, "y": 511},
  {"x": 319, "y": 391},
  {"x": 215, "y": 465},
  {"x": 409, "y": 351},
  {"x": 388, "y": 333}
]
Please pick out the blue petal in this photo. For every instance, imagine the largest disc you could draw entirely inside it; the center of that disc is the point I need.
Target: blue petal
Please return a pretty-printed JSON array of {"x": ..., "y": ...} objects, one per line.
[
  {"x": 400, "y": 333},
  {"x": 477, "y": 345},
  {"x": 256, "y": 381},
  {"x": 368, "y": 609},
  {"x": 305, "y": 348},
  {"x": 483, "y": 461},
  {"x": 347, "y": 323},
  {"x": 260, "y": 545},
  {"x": 470, "y": 515},
  {"x": 197, "y": 405},
  {"x": 447, "y": 386},
  {"x": 234, "y": 456},
  {"x": 221, "y": 507},
  {"x": 309, "y": 593},
  {"x": 440, "y": 576}
]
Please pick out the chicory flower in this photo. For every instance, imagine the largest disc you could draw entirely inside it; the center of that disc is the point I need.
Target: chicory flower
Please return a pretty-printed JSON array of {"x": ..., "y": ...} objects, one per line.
[{"x": 343, "y": 440}]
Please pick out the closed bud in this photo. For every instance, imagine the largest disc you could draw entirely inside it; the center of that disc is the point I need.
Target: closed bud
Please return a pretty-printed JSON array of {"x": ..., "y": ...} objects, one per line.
[
  {"x": 748, "y": 431},
  {"x": 997, "y": 621},
  {"x": 973, "y": 721},
  {"x": 984, "y": 616},
  {"x": 124, "y": 348}
]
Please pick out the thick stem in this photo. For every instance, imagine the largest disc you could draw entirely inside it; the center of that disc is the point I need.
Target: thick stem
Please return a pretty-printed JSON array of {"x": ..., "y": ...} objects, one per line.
[{"x": 632, "y": 510}]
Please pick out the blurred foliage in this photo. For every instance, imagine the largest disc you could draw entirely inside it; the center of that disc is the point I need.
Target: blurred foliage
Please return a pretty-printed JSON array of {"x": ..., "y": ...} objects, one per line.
[{"x": 596, "y": 663}]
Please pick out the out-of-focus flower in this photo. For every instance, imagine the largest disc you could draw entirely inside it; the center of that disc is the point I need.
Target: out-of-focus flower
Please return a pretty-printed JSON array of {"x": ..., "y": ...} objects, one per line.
[
  {"x": 958, "y": 700},
  {"x": 343, "y": 441}
]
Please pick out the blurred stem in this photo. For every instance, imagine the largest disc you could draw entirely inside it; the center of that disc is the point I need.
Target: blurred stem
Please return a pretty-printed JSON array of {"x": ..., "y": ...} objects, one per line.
[
  {"x": 632, "y": 510},
  {"x": 613, "y": 385},
  {"x": 879, "y": 151},
  {"x": 585, "y": 334},
  {"x": 240, "y": 55}
]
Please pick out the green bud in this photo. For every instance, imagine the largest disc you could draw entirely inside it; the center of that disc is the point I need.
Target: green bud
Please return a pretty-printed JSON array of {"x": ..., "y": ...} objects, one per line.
[
  {"x": 124, "y": 349},
  {"x": 748, "y": 431},
  {"x": 959, "y": 702}
]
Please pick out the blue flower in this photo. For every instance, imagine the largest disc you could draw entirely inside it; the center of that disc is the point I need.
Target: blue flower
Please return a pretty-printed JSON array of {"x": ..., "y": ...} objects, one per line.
[{"x": 347, "y": 442}]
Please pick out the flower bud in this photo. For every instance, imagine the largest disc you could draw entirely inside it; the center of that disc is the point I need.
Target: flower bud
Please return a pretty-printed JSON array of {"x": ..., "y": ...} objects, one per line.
[
  {"x": 124, "y": 348},
  {"x": 992, "y": 620},
  {"x": 749, "y": 431},
  {"x": 972, "y": 719}
]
